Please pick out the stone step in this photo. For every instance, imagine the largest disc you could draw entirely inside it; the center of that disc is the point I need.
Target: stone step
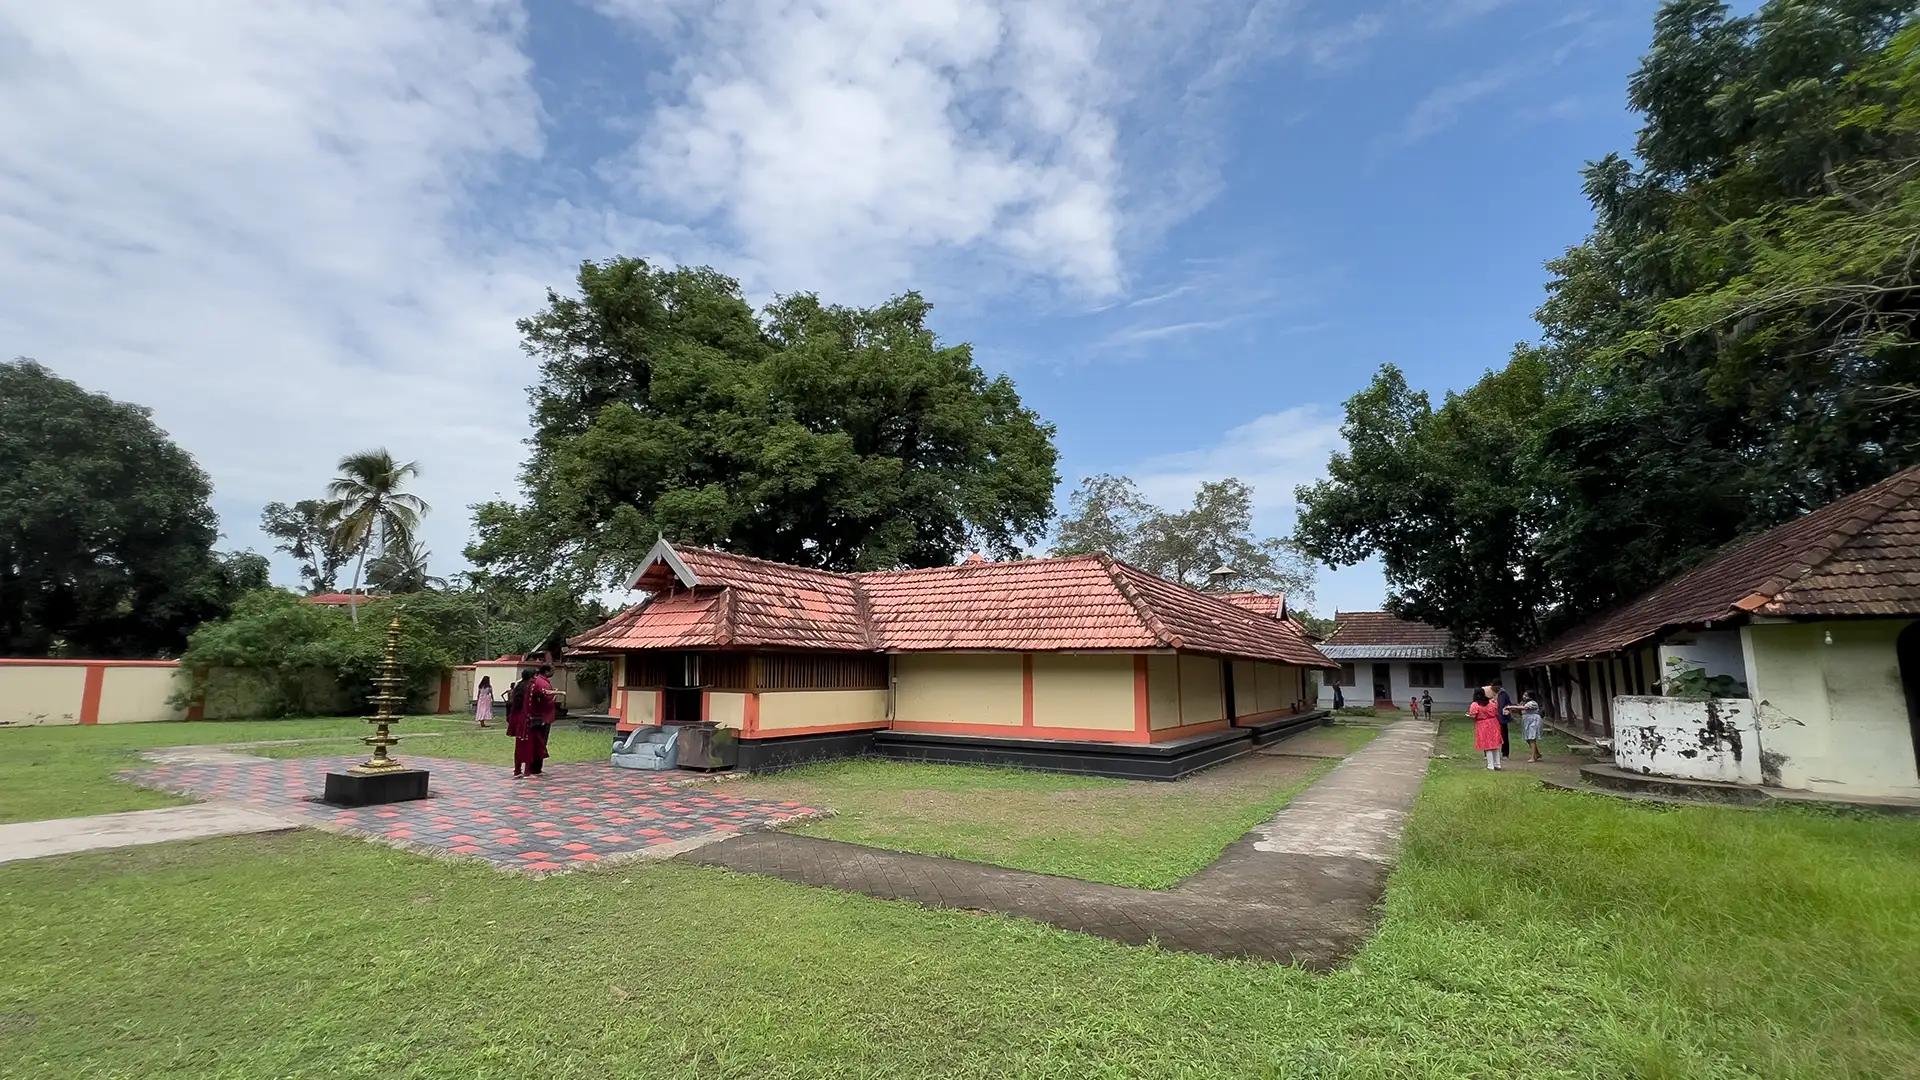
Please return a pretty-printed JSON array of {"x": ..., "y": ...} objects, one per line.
[{"x": 1618, "y": 779}]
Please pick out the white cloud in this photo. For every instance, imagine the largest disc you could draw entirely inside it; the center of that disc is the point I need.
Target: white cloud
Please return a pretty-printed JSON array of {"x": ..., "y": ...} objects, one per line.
[
  {"x": 1274, "y": 453},
  {"x": 301, "y": 229},
  {"x": 986, "y": 143},
  {"x": 245, "y": 217}
]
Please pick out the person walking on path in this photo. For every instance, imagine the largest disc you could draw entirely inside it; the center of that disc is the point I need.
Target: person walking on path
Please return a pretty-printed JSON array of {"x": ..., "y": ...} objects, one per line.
[
  {"x": 1426, "y": 703},
  {"x": 483, "y": 701},
  {"x": 1503, "y": 703},
  {"x": 1413, "y": 707},
  {"x": 518, "y": 725},
  {"x": 1529, "y": 709},
  {"x": 1486, "y": 728}
]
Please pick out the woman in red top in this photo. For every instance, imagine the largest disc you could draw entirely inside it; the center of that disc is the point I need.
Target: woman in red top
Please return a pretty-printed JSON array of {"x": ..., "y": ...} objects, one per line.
[{"x": 1486, "y": 728}]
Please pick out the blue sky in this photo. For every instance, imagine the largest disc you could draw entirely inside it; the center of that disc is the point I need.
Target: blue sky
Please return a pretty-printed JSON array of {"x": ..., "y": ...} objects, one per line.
[{"x": 1189, "y": 230}]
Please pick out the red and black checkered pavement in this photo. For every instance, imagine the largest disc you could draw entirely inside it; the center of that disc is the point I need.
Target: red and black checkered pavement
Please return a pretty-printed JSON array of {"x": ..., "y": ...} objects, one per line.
[{"x": 571, "y": 816}]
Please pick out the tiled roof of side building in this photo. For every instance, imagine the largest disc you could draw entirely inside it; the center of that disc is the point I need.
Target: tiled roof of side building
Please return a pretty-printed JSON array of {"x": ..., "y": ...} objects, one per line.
[
  {"x": 1856, "y": 556},
  {"x": 1081, "y": 602},
  {"x": 1353, "y": 629}
]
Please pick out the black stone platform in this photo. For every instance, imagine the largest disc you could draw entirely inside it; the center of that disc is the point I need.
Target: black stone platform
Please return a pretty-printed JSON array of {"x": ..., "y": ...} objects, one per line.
[
  {"x": 768, "y": 755},
  {"x": 370, "y": 789},
  {"x": 1275, "y": 728},
  {"x": 1134, "y": 761}
]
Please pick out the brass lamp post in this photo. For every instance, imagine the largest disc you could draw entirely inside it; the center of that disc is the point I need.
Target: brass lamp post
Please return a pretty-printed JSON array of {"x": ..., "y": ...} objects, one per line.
[{"x": 389, "y": 693}]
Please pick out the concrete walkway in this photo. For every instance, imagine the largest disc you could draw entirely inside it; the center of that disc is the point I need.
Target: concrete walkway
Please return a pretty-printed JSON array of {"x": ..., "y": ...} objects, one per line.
[
  {"x": 37, "y": 839},
  {"x": 1301, "y": 888}
]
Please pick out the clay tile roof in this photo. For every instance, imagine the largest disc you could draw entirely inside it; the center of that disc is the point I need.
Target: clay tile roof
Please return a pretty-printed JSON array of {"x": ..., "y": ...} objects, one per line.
[
  {"x": 342, "y": 599},
  {"x": 1073, "y": 603},
  {"x": 1259, "y": 603},
  {"x": 1859, "y": 555},
  {"x": 1356, "y": 632}
]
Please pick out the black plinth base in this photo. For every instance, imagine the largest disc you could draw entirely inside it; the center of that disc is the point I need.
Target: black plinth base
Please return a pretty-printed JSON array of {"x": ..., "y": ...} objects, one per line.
[{"x": 372, "y": 789}]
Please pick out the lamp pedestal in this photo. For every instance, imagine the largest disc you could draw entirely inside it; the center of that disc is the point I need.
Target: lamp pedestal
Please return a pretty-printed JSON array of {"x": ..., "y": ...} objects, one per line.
[{"x": 380, "y": 778}]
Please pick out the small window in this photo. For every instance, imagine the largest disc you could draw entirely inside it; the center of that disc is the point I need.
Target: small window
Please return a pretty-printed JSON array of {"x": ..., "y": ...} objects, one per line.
[
  {"x": 1345, "y": 678},
  {"x": 1480, "y": 674},
  {"x": 1430, "y": 676}
]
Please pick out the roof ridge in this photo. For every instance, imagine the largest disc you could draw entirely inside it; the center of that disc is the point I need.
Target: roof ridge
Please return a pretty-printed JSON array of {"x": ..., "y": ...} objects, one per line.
[
  {"x": 1902, "y": 486},
  {"x": 863, "y": 611},
  {"x": 1155, "y": 625},
  {"x": 775, "y": 563},
  {"x": 977, "y": 567}
]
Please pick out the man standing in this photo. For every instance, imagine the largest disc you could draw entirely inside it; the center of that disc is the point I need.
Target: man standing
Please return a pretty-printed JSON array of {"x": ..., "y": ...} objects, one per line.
[
  {"x": 540, "y": 710},
  {"x": 1426, "y": 703},
  {"x": 1504, "y": 702}
]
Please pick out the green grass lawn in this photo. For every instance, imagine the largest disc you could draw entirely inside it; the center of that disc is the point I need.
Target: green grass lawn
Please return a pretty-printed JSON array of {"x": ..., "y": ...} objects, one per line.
[
  {"x": 1123, "y": 832},
  {"x": 52, "y": 772},
  {"x": 66, "y": 771},
  {"x": 1527, "y": 932}
]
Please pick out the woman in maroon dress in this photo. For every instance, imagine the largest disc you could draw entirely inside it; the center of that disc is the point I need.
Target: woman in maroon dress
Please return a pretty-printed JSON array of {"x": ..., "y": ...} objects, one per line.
[{"x": 520, "y": 727}]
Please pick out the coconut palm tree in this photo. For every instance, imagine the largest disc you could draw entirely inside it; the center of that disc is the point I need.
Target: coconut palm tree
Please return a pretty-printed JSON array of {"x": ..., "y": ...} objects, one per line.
[
  {"x": 402, "y": 568},
  {"x": 366, "y": 506}
]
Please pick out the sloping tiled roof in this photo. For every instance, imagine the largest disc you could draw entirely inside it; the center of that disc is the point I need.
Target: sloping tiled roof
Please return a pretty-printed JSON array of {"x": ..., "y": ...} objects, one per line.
[
  {"x": 1031, "y": 605},
  {"x": 1259, "y": 603},
  {"x": 1857, "y": 556},
  {"x": 1357, "y": 630}
]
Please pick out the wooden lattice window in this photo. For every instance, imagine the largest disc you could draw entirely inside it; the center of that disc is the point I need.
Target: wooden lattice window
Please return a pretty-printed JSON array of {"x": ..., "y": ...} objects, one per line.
[{"x": 810, "y": 671}]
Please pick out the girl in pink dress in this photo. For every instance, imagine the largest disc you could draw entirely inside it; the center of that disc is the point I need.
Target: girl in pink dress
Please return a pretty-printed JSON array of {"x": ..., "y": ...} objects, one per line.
[
  {"x": 483, "y": 700},
  {"x": 1486, "y": 728}
]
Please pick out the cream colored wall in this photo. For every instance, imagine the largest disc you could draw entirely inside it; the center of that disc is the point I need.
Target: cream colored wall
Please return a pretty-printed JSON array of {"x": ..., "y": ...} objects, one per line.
[
  {"x": 32, "y": 694},
  {"x": 821, "y": 708},
  {"x": 1836, "y": 714},
  {"x": 1246, "y": 687},
  {"x": 958, "y": 688},
  {"x": 727, "y": 708},
  {"x": 1270, "y": 694},
  {"x": 1163, "y": 691},
  {"x": 639, "y": 707},
  {"x": 1083, "y": 690},
  {"x": 133, "y": 695},
  {"x": 1202, "y": 698}
]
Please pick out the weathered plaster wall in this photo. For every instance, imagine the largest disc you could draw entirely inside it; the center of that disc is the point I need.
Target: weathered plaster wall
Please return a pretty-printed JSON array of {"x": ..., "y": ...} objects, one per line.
[
  {"x": 41, "y": 693},
  {"x": 728, "y": 708},
  {"x": 959, "y": 688},
  {"x": 1083, "y": 690},
  {"x": 134, "y": 695},
  {"x": 1694, "y": 740},
  {"x": 1832, "y": 717}
]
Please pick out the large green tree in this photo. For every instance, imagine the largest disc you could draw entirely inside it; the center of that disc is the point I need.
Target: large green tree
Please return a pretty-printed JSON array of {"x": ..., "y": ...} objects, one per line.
[
  {"x": 1108, "y": 514},
  {"x": 106, "y": 534},
  {"x": 1731, "y": 345},
  {"x": 845, "y": 438}
]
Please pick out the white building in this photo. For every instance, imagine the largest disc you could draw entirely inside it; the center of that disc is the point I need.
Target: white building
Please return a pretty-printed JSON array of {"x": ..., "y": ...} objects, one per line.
[
  {"x": 1788, "y": 659},
  {"x": 1387, "y": 662}
]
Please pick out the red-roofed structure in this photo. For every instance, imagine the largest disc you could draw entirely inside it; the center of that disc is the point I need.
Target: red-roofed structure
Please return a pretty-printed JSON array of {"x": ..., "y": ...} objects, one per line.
[
  {"x": 342, "y": 599},
  {"x": 1083, "y": 648},
  {"x": 1812, "y": 622}
]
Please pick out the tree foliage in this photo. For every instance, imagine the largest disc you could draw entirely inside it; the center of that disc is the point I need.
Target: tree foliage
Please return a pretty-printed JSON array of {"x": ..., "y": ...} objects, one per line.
[
  {"x": 1729, "y": 347},
  {"x": 401, "y": 567},
  {"x": 274, "y": 632},
  {"x": 1108, "y": 514},
  {"x": 303, "y": 532},
  {"x": 844, "y": 438},
  {"x": 106, "y": 534}
]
